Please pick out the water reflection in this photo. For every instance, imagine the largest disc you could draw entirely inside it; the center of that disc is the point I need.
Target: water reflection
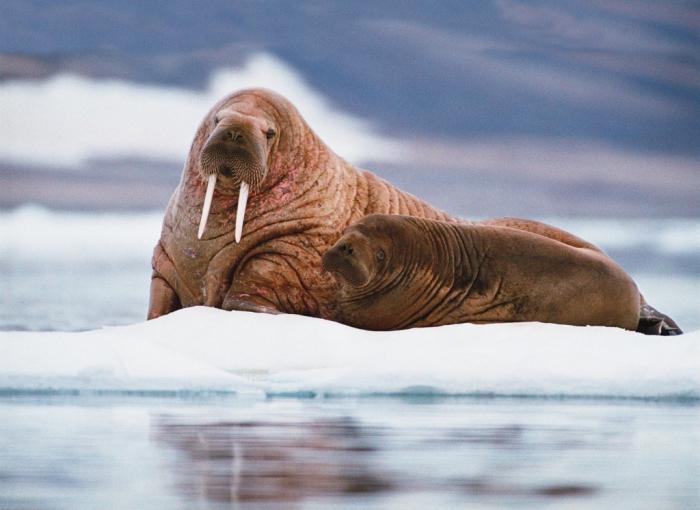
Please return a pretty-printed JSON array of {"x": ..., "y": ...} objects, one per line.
[
  {"x": 273, "y": 461},
  {"x": 288, "y": 462},
  {"x": 374, "y": 453}
]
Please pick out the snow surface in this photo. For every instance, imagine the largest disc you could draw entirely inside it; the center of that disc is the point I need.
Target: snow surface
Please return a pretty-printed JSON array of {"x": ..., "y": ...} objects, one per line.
[{"x": 205, "y": 349}]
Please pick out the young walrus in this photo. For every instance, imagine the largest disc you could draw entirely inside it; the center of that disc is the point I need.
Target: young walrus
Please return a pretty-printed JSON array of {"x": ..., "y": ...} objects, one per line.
[{"x": 397, "y": 272}]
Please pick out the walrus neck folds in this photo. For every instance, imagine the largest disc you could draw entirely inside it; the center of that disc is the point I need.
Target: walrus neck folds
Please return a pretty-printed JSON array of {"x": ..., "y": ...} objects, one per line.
[{"x": 435, "y": 271}]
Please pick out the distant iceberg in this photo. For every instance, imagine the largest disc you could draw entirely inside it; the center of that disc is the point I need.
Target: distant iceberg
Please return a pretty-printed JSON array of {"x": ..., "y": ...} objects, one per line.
[{"x": 113, "y": 118}]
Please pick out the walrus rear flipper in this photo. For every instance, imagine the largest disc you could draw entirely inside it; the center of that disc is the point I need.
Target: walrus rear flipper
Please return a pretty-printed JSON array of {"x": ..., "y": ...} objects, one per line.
[{"x": 653, "y": 322}]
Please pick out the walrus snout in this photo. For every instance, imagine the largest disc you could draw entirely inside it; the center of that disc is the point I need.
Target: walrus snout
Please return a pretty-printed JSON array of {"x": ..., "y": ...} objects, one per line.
[
  {"x": 240, "y": 160},
  {"x": 345, "y": 260},
  {"x": 237, "y": 152},
  {"x": 334, "y": 257},
  {"x": 228, "y": 136},
  {"x": 224, "y": 152}
]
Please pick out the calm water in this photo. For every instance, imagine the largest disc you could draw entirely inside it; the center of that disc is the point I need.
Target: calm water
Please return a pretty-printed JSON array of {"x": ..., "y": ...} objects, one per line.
[
  {"x": 77, "y": 452},
  {"x": 154, "y": 452}
]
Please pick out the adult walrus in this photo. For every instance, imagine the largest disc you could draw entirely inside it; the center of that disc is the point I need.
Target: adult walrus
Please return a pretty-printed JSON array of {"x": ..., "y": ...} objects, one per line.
[
  {"x": 398, "y": 272},
  {"x": 296, "y": 196},
  {"x": 300, "y": 197}
]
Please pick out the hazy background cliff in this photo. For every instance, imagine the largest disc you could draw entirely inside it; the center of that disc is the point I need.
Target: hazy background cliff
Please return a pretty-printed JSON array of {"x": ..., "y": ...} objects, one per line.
[{"x": 485, "y": 108}]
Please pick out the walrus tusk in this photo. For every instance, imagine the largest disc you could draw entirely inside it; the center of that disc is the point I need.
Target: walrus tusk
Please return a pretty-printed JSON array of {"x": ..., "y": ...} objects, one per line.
[
  {"x": 240, "y": 213},
  {"x": 211, "y": 184}
]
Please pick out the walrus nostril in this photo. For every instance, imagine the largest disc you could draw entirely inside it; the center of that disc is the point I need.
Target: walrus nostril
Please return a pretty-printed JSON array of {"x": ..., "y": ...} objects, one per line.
[
  {"x": 346, "y": 249},
  {"x": 232, "y": 135}
]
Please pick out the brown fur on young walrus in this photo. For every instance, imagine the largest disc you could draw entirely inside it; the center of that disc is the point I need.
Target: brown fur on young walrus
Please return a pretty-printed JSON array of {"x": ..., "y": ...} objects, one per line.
[
  {"x": 302, "y": 197},
  {"x": 398, "y": 272}
]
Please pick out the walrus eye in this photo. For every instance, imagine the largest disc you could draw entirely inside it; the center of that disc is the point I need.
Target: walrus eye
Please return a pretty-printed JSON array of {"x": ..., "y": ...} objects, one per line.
[
  {"x": 270, "y": 133},
  {"x": 380, "y": 255},
  {"x": 216, "y": 120}
]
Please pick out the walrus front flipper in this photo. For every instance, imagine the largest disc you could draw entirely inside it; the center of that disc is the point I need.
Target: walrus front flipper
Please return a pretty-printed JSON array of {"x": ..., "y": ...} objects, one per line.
[
  {"x": 247, "y": 303},
  {"x": 653, "y": 322}
]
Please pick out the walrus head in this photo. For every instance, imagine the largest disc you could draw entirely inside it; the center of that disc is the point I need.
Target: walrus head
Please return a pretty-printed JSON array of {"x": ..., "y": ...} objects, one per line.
[
  {"x": 384, "y": 266},
  {"x": 351, "y": 259},
  {"x": 236, "y": 153},
  {"x": 363, "y": 254}
]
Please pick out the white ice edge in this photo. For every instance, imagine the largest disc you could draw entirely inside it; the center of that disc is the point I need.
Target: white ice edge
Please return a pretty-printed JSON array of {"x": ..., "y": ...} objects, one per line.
[{"x": 208, "y": 349}]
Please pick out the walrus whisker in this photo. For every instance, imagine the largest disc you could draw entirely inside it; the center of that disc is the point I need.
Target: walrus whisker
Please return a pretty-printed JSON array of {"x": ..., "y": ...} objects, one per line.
[
  {"x": 211, "y": 184},
  {"x": 240, "y": 213}
]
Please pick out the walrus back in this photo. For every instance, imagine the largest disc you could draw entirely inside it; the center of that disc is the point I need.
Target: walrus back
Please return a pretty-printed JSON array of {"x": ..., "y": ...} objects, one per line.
[
  {"x": 378, "y": 196},
  {"x": 536, "y": 278}
]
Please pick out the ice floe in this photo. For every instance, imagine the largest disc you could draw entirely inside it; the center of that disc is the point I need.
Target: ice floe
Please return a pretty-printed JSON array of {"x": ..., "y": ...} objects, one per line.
[{"x": 205, "y": 349}]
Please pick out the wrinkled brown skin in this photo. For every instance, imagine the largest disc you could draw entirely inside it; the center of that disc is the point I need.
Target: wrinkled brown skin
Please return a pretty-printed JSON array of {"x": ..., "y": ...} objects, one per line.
[
  {"x": 298, "y": 209},
  {"x": 302, "y": 198},
  {"x": 398, "y": 272}
]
